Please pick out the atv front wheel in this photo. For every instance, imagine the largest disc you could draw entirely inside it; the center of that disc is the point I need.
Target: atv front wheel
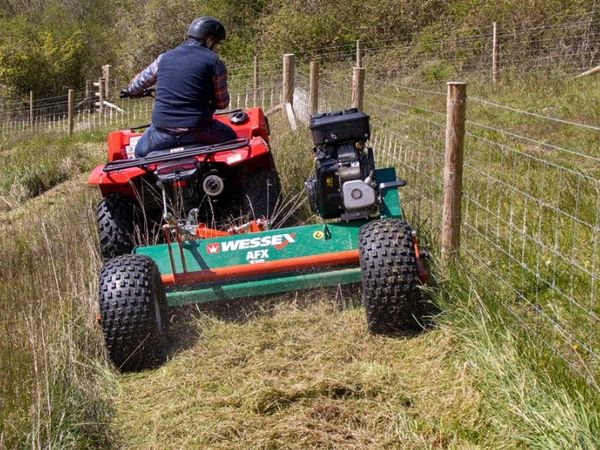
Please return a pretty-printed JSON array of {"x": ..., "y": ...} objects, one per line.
[
  {"x": 115, "y": 217},
  {"x": 260, "y": 193},
  {"x": 389, "y": 276},
  {"x": 133, "y": 312}
]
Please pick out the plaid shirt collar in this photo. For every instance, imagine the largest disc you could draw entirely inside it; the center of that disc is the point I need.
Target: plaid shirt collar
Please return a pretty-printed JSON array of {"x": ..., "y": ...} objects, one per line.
[{"x": 194, "y": 43}]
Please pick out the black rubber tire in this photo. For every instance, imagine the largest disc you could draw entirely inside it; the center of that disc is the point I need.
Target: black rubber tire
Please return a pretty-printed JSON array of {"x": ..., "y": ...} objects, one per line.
[
  {"x": 389, "y": 276},
  {"x": 133, "y": 312},
  {"x": 260, "y": 192},
  {"x": 115, "y": 221}
]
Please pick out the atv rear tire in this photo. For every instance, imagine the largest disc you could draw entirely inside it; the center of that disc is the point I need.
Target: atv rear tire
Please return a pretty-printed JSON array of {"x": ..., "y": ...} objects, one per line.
[
  {"x": 115, "y": 220},
  {"x": 260, "y": 193},
  {"x": 389, "y": 276},
  {"x": 133, "y": 312}
]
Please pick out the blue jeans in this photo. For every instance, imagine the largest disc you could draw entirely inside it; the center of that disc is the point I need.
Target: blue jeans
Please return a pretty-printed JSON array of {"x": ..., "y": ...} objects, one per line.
[{"x": 154, "y": 139}]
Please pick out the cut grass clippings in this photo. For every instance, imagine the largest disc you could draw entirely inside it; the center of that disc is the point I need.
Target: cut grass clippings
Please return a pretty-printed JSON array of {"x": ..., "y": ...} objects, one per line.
[{"x": 303, "y": 377}]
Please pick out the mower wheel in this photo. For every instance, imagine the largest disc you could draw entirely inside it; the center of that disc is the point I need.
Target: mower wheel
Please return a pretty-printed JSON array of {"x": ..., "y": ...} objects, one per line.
[
  {"x": 115, "y": 225},
  {"x": 133, "y": 312},
  {"x": 260, "y": 193},
  {"x": 389, "y": 276}
]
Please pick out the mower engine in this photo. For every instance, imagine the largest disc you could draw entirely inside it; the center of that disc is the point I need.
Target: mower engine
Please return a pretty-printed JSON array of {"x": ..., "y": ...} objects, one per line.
[{"x": 342, "y": 185}]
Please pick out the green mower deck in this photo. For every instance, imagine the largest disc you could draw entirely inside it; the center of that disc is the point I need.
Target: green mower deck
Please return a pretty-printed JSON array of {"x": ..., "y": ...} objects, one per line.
[{"x": 268, "y": 262}]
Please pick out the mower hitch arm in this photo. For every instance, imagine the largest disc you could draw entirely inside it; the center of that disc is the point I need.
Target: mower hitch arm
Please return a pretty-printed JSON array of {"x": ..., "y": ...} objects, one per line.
[{"x": 391, "y": 184}]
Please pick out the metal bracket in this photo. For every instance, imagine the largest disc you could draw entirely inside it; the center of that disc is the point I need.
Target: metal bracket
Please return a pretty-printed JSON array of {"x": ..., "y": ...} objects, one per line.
[{"x": 392, "y": 184}]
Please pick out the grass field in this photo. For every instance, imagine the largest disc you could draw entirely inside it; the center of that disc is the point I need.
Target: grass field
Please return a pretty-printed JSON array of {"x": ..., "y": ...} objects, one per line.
[{"x": 300, "y": 370}]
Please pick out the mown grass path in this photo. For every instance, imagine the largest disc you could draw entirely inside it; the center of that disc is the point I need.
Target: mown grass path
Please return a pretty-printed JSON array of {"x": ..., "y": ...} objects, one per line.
[{"x": 301, "y": 377}]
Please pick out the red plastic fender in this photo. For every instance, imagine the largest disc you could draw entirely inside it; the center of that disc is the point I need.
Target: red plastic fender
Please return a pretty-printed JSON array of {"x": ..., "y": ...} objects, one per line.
[
  {"x": 257, "y": 147},
  {"x": 99, "y": 177},
  {"x": 255, "y": 126},
  {"x": 116, "y": 143}
]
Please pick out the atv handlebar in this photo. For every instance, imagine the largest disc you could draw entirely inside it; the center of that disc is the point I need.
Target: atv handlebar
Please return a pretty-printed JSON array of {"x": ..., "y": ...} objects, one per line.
[{"x": 149, "y": 92}]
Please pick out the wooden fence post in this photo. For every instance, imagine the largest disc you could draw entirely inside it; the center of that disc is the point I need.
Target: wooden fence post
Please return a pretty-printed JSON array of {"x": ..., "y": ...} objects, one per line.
[
  {"x": 359, "y": 52},
  {"x": 289, "y": 63},
  {"x": 70, "y": 110},
  {"x": 313, "y": 101},
  {"x": 494, "y": 54},
  {"x": 287, "y": 95},
  {"x": 31, "y": 108},
  {"x": 88, "y": 94},
  {"x": 453, "y": 169},
  {"x": 100, "y": 95},
  {"x": 358, "y": 87},
  {"x": 106, "y": 76},
  {"x": 255, "y": 81}
]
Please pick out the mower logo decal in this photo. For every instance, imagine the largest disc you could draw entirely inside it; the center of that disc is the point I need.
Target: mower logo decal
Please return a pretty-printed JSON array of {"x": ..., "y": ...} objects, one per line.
[
  {"x": 278, "y": 241},
  {"x": 318, "y": 235},
  {"x": 257, "y": 256},
  {"x": 288, "y": 240},
  {"x": 212, "y": 249}
]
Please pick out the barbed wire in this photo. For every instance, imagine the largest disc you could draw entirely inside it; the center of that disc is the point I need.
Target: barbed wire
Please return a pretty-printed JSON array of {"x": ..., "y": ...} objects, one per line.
[
  {"x": 347, "y": 49},
  {"x": 407, "y": 88}
]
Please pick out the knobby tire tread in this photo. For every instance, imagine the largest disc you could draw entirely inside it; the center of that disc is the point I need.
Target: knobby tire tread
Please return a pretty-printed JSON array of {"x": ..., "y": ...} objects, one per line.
[
  {"x": 260, "y": 192},
  {"x": 115, "y": 220},
  {"x": 389, "y": 276},
  {"x": 130, "y": 286}
]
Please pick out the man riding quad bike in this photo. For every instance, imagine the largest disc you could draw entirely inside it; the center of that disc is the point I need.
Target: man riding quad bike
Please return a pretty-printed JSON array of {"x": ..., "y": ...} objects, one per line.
[
  {"x": 191, "y": 165},
  {"x": 191, "y": 84}
]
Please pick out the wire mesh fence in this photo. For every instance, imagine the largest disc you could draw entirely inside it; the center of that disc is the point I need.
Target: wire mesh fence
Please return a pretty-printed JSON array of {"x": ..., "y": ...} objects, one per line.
[
  {"x": 531, "y": 212},
  {"x": 530, "y": 199},
  {"x": 530, "y": 232},
  {"x": 53, "y": 116}
]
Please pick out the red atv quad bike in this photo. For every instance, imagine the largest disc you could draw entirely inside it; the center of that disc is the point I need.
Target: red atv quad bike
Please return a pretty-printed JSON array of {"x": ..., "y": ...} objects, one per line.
[{"x": 231, "y": 182}]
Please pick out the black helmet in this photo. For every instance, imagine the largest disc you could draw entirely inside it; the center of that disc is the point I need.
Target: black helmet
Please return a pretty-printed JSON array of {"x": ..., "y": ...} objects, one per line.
[{"x": 204, "y": 26}]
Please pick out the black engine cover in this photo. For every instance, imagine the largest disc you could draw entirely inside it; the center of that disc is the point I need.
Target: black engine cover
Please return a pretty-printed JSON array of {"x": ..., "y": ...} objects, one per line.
[
  {"x": 340, "y": 157},
  {"x": 329, "y": 200},
  {"x": 350, "y": 125}
]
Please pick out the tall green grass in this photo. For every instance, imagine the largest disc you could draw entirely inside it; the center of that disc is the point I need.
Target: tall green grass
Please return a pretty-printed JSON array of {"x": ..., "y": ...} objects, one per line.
[
  {"x": 56, "y": 385},
  {"x": 33, "y": 164},
  {"x": 527, "y": 392},
  {"x": 523, "y": 301}
]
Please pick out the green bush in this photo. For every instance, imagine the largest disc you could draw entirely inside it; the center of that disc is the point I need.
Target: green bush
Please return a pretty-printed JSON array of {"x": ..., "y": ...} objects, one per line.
[{"x": 60, "y": 43}]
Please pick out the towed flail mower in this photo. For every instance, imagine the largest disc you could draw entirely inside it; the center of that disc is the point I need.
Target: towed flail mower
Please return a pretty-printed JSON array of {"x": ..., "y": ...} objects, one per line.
[{"x": 365, "y": 239}]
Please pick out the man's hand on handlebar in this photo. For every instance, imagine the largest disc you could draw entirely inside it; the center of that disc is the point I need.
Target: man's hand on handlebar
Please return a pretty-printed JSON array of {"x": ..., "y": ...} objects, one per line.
[{"x": 149, "y": 92}]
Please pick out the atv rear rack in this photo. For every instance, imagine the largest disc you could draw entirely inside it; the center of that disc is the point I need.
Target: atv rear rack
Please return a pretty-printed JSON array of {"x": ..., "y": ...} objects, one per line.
[{"x": 175, "y": 154}]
